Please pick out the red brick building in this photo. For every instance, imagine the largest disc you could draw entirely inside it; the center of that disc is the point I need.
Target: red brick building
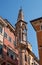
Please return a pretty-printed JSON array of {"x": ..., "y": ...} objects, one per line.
[
  {"x": 13, "y": 43},
  {"x": 37, "y": 24}
]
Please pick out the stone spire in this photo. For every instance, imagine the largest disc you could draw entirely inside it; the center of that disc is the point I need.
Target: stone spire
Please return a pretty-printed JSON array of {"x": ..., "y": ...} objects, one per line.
[{"x": 20, "y": 15}]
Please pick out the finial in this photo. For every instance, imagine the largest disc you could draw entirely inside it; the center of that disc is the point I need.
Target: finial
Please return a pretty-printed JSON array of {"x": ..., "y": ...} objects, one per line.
[{"x": 20, "y": 15}]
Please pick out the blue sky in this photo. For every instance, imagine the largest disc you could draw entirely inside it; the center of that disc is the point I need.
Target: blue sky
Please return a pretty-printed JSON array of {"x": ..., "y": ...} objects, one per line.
[{"x": 32, "y": 9}]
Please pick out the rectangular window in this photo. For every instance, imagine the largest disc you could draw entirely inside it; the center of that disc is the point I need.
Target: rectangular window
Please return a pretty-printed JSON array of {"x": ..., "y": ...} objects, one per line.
[
  {"x": 0, "y": 49},
  {"x": 14, "y": 43},
  {"x": 10, "y": 39},
  {"x": 5, "y": 34},
  {"x": 14, "y": 56},
  {"x": 0, "y": 29},
  {"x": 11, "y": 56},
  {"x": 41, "y": 27}
]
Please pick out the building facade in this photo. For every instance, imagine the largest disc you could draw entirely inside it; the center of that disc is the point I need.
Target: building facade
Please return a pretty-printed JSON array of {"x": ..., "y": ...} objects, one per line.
[
  {"x": 14, "y": 48},
  {"x": 37, "y": 24}
]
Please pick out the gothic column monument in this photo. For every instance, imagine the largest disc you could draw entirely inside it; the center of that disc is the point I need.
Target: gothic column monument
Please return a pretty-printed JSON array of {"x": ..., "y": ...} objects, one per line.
[
  {"x": 21, "y": 33},
  {"x": 37, "y": 25}
]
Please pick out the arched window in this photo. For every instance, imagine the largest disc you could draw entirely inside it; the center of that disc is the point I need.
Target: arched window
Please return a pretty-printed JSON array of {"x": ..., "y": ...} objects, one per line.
[
  {"x": 24, "y": 32},
  {"x": 23, "y": 37}
]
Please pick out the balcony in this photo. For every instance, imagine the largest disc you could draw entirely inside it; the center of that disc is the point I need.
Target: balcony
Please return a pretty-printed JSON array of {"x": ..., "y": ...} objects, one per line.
[
  {"x": 12, "y": 61},
  {"x": 5, "y": 58}
]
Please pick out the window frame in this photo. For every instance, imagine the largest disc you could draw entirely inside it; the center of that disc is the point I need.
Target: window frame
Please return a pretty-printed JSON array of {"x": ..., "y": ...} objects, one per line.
[
  {"x": 10, "y": 52},
  {"x": 9, "y": 39},
  {"x": 5, "y": 34},
  {"x": 14, "y": 42},
  {"x": 0, "y": 29},
  {"x": 1, "y": 49}
]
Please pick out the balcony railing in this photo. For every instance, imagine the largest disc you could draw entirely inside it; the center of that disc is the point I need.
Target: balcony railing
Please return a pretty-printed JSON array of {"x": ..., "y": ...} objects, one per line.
[
  {"x": 12, "y": 61},
  {"x": 6, "y": 58}
]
